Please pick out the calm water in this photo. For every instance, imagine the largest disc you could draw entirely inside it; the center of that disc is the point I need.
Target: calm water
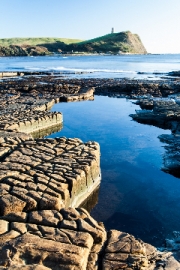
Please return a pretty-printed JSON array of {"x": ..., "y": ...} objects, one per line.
[
  {"x": 97, "y": 66},
  {"x": 135, "y": 195}
]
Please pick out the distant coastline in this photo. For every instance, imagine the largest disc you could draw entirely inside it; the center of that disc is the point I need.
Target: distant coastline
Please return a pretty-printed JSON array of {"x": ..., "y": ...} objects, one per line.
[{"x": 112, "y": 44}]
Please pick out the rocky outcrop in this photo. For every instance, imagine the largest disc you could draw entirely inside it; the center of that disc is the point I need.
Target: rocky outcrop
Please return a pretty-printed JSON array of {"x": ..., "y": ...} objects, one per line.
[
  {"x": 26, "y": 114},
  {"x": 72, "y": 239},
  {"x": 41, "y": 178},
  {"x": 123, "y": 251},
  {"x": 83, "y": 94},
  {"x": 174, "y": 73},
  {"x": 53, "y": 85},
  {"x": 165, "y": 114},
  {"x": 46, "y": 173},
  {"x": 29, "y": 121},
  {"x": 23, "y": 50},
  {"x": 49, "y": 239},
  {"x": 25, "y": 106},
  {"x": 44, "y": 90},
  {"x": 137, "y": 88},
  {"x": 171, "y": 158},
  {"x": 19, "y": 73},
  {"x": 10, "y": 74}
]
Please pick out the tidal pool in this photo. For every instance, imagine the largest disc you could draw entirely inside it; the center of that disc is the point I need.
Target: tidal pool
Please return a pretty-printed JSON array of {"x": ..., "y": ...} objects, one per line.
[{"x": 135, "y": 196}]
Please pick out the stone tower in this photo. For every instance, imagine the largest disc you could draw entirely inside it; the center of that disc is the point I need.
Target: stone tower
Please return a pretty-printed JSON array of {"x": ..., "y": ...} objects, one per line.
[{"x": 112, "y": 30}]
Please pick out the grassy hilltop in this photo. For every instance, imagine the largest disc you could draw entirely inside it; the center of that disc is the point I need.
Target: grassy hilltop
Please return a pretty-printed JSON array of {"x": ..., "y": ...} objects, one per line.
[
  {"x": 35, "y": 41},
  {"x": 123, "y": 42}
]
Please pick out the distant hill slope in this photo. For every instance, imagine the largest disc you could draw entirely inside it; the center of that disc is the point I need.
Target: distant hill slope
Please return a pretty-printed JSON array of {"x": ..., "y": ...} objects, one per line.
[
  {"x": 25, "y": 50},
  {"x": 35, "y": 41},
  {"x": 123, "y": 42}
]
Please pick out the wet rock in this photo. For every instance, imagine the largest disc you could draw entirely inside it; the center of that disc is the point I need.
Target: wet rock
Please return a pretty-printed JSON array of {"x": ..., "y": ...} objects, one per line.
[
  {"x": 174, "y": 73},
  {"x": 166, "y": 115},
  {"x": 83, "y": 94},
  {"x": 171, "y": 157},
  {"x": 123, "y": 251},
  {"x": 137, "y": 88},
  {"x": 146, "y": 104}
]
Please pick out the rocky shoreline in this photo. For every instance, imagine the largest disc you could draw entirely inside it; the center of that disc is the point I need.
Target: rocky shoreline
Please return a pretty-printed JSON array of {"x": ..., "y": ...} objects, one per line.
[
  {"x": 43, "y": 181},
  {"x": 164, "y": 113}
]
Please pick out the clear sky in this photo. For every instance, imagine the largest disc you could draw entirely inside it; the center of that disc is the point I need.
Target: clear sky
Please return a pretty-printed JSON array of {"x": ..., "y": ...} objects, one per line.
[{"x": 155, "y": 21}]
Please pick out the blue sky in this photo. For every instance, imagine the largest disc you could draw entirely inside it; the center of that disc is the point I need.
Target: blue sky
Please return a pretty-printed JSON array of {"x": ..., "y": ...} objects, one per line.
[{"x": 155, "y": 21}]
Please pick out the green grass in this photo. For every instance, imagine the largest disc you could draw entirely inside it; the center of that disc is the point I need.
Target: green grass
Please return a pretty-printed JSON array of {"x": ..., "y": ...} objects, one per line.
[
  {"x": 35, "y": 41},
  {"x": 97, "y": 39},
  {"x": 105, "y": 38}
]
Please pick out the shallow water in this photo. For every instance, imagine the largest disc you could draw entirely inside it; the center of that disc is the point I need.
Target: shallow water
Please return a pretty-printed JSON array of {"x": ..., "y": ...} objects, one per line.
[
  {"x": 97, "y": 66},
  {"x": 135, "y": 195}
]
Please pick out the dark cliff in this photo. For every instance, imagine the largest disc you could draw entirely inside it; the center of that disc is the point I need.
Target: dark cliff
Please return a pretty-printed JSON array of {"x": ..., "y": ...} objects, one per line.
[{"x": 15, "y": 50}]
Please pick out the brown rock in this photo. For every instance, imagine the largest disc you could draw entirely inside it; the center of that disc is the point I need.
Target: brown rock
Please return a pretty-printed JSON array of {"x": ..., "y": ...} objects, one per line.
[
  {"x": 9, "y": 204},
  {"x": 4, "y": 226}
]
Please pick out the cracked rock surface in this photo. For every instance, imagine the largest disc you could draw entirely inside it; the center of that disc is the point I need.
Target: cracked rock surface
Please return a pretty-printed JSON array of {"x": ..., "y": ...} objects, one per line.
[
  {"x": 46, "y": 173},
  {"x": 70, "y": 239},
  {"x": 49, "y": 239},
  {"x": 124, "y": 251},
  {"x": 29, "y": 121},
  {"x": 41, "y": 178}
]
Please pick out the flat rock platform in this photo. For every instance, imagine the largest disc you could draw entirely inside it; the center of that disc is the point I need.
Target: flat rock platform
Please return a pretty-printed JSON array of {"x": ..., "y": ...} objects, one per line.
[{"x": 43, "y": 181}]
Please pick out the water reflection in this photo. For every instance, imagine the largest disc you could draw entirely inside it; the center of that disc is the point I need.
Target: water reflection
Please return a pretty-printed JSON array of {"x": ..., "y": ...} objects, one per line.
[
  {"x": 135, "y": 195},
  {"x": 47, "y": 131},
  {"x": 91, "y": 201}
]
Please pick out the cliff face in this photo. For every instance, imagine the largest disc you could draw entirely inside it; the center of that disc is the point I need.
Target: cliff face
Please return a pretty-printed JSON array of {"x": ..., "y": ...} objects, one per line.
[
  {"x": 135, "y": 44},
  {"x": 15, "y": 50},
  {"x": 123, "y": 42}
]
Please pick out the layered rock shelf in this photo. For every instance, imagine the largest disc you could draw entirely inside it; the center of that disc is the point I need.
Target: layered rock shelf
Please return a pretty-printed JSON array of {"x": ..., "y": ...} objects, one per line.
[
  {"x": 85, "y": 94},
  {"x": 46, "y": 173},
  {"x": 124, "y": 251},
  {"x": 25, "y": 105},
  {"x": 165, "y": 114},
  {"x": 73, "y": 165},
  {"x": 8, "y": 74},
  {"x": 49, "y": 239},
  {"x": 43, "y": 181},
  {"x": 55, "y": 86},
  {"x": 51, "y": 88},
  {"x": 171, "y": 157},
  {"x": 72, "y": 239},
  {"x": 29, "y": 121}
]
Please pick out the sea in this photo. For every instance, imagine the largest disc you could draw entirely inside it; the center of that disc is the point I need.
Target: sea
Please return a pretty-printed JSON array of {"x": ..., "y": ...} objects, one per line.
[
  {"x": 97, "y": 66},
  {"x": 135, "y": 194}
]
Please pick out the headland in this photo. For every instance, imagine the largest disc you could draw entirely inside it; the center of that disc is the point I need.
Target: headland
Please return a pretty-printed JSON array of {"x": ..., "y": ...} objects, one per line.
[{"x": 113, "y": 43}]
